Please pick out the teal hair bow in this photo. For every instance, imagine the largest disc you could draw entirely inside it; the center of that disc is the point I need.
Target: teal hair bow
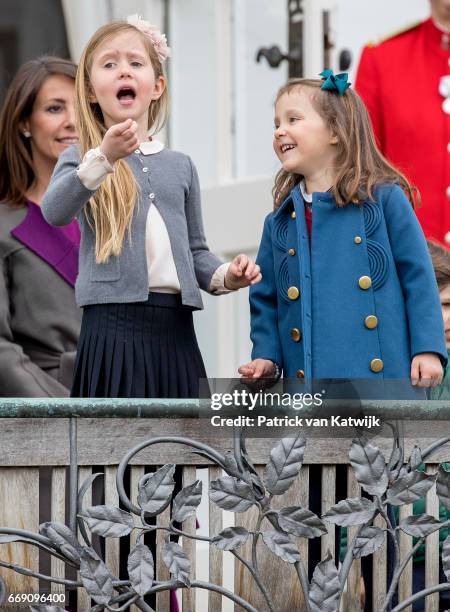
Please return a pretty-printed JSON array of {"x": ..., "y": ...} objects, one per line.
[{"x": 335, "y": 82}]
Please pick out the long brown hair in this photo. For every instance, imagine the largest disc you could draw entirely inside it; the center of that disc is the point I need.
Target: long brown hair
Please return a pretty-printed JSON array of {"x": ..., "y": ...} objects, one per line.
[
  {"x": 16, "y": 163},
  {"x": 110, "y": 210},
  {"x": 359, "y": 163}
]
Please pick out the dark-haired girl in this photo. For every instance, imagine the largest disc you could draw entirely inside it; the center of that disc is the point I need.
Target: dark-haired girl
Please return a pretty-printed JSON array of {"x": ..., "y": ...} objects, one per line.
[{"x": 348, "y": 288}]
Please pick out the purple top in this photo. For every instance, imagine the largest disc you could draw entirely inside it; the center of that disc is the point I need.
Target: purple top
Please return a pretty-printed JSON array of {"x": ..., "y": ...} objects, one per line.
[{"x": 58, "y": 246}]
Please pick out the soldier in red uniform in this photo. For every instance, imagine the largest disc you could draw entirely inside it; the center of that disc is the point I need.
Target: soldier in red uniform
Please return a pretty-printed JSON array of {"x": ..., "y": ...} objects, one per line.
[{"x": 405, "y": 83}]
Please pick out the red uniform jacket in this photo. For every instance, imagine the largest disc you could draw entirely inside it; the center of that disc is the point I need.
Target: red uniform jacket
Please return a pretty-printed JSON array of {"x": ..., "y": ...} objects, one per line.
[{"x": 399, "y": 82}]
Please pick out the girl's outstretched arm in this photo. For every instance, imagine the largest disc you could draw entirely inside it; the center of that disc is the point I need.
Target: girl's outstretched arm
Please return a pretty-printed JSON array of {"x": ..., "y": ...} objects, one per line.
[
  {"x": 258, "y": 368},
  {"x": 66, "y": 194}
]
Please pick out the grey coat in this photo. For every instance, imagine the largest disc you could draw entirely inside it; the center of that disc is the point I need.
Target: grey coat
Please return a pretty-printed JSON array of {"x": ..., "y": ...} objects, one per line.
[
  {"x": 39, "y": 321},
  {"x": 168, "y": 180}
]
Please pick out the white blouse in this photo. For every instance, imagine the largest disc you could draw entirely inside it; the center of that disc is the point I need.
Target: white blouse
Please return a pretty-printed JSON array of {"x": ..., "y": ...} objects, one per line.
[{"x": 162, "y": 273}]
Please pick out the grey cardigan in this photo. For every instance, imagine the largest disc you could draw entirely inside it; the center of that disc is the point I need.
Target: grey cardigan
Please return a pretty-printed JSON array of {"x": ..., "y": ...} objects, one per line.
[{"x": 168, "y": 180}]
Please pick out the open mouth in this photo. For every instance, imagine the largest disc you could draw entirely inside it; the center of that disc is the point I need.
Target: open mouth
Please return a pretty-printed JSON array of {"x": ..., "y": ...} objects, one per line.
[
  {"x": 68, "y": 140},
  {"x": 126, "y": 95},
  {"x": 287, "y": 147}
]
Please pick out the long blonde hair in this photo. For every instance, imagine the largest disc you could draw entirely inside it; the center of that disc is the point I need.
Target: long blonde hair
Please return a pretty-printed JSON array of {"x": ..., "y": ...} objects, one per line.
[
  {"x": 111, "y": 209},
  {"x": 359, "y": 163}
]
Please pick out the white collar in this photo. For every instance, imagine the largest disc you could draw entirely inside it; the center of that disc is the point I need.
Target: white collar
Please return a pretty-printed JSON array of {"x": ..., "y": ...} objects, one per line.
[
  {"x": 306, "y": 196},
  {"x": 149, "y": 147}
]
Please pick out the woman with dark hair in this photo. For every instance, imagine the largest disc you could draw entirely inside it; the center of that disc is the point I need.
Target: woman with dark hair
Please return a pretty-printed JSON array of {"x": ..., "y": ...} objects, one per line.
[{"x": 39, "y": 321}]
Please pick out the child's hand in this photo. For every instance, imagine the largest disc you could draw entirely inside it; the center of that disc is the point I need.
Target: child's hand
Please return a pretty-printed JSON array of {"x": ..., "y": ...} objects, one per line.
[
  {"x": 242, "y": 272},
  {"x": 258, "y": 368},
  {"x": 120, "y": 140},
  {"x": 426, "y": 370}
]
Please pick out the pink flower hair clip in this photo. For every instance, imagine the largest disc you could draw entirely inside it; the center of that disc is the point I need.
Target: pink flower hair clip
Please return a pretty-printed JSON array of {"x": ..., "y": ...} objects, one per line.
[{"x": 158, "y": 39}]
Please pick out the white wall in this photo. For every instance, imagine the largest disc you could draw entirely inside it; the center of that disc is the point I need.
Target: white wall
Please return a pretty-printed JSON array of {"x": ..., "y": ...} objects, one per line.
[
  {"x": 359, "y": 21},
  {"x": 354, "y": 24},
  {"x": 83, "y": 17}
]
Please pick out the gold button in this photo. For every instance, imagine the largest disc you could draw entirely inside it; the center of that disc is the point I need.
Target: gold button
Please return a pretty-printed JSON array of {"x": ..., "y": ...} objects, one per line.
[
  {"x": 376, "y": 365},
  {"x": 296, "y": 334},
  {"x": 291, "y": 251},
  {"x": 293, "y": 293},
  {"x": 300, "y": 374},
  {"x": 358, "y": 239},
  {"x": 293, "y": 215},
  {"x": 371, "y": 322},
  {"x": 365, "y": 282}
]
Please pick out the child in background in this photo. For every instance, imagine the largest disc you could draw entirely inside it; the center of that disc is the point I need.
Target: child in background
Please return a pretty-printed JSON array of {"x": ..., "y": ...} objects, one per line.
[
  {"x": 143, "y": 252},
  {"x": 441, "y": 264},
  {"x": 348, "y": 289}
]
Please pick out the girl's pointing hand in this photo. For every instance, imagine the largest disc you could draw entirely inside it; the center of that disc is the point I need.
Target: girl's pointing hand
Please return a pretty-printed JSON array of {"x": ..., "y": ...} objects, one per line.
[
  {"x": 242, "y": 272},
  {"x": 120, "y": 140}
]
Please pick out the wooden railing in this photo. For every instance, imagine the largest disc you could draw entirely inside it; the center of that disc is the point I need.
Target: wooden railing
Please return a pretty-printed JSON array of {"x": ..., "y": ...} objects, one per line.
[{"x": 40, "y": 456}]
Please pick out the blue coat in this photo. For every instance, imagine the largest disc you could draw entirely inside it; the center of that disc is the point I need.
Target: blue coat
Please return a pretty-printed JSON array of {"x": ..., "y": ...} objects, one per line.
[{"x": 358, "y": 302}]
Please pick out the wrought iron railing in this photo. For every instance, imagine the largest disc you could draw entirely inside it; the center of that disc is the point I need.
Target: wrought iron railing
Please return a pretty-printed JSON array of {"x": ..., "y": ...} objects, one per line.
[{"x": 387, "y": 481}]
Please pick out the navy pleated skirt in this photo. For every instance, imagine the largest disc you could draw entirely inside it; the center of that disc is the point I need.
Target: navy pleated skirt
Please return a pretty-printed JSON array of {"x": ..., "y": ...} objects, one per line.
[{"x": 143, "y": 349}]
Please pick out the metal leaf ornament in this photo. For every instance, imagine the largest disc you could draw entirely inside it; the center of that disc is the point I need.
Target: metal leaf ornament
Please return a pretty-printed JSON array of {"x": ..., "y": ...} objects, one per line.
[
  {"x": 95, "y": 576},
  {"x": 446, "y": 557},
  {"x": 231, "y": 538},
  {"x": 281, "y": 545},
  {"x": 409, "y": 488},
  {"x": 420, "y": 526},
  {"x": 301, "y": 522},
  {"x": 108, "y": 521},
  {"x": 284, "y": 464},
  {"x": 141, "y": 568},
  {"x": 229, "y": 493},
  {"x": 443, "y": 487},
  {"x": 186, "y": 502},
  {"x": 325, "y": 587},
  {"x": 351, "y": 511},
  {"x": 369, "y": 540},
  {"x": 369, "y": 466},
  {"x": 176, "y": 562},
  {"x": 335, "y": 82},
  {"x": 63, "y": 538},
  {"x": 155, "y": 490}
]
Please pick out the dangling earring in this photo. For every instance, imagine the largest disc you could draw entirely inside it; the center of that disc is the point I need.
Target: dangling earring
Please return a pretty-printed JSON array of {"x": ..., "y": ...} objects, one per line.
[{"x": 26, "y": 133}]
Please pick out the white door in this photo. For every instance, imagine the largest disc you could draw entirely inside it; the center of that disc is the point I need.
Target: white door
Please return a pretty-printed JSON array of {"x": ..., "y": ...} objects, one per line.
[{"x": 222, "y": 116}]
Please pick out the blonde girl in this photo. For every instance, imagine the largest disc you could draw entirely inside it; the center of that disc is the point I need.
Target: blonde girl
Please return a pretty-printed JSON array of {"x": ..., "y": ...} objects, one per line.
[
  {"x": 143, "y": 254},
  {"x": 348, "y": 289}
]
